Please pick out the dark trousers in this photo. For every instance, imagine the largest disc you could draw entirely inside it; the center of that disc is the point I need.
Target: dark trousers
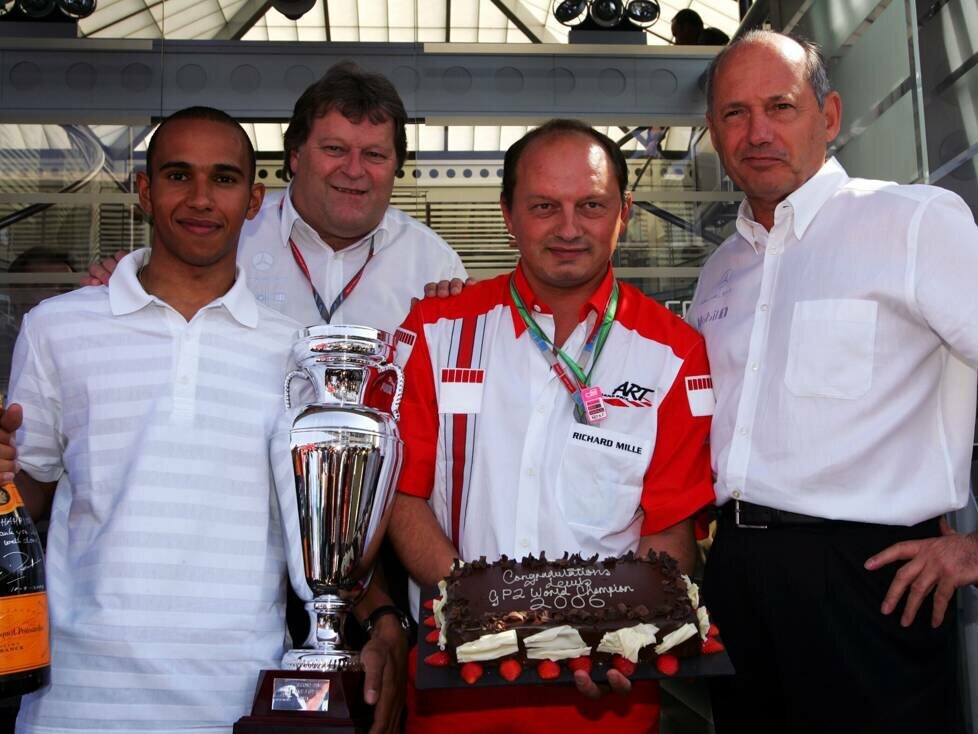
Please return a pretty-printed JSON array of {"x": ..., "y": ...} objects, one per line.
[{"x": 801, "y": 620}]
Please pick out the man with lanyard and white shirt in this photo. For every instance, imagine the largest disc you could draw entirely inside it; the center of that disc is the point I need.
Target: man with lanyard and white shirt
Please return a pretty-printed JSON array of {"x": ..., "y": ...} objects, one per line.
[
  {"x": 330, "y": 248},
  {"x": 842, "y": 331},
  {"x": 509, "y": 389}
]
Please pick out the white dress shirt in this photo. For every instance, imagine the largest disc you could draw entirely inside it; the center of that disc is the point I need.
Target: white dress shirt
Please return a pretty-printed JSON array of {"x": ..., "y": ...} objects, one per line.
[
  {"x": 165, "y": 565},
  {"x": 843, "y": 346},
  {"x": 407, "y": 255}
]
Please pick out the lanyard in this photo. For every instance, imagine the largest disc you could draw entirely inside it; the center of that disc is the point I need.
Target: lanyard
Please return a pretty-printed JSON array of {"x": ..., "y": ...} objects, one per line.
[
  {"x": 555, "y": 355},
  {"x": 327, "y": 313}
]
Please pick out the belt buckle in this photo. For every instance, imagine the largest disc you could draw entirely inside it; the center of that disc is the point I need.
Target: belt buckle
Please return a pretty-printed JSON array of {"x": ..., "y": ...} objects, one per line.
[{"x": 739, "y": 524}]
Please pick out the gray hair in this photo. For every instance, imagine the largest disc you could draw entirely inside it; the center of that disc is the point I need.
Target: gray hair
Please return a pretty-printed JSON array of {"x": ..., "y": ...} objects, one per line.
[{"x": 815, "y": 70}]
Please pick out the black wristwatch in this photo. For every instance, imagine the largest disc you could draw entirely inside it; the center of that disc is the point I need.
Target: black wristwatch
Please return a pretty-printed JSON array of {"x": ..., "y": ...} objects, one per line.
[{"x": 382, "y": 610}]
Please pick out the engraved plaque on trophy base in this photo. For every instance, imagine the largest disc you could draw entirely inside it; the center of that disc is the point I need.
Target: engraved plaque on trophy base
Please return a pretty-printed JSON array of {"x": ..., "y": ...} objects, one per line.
[{"x": 307, "y": 701}]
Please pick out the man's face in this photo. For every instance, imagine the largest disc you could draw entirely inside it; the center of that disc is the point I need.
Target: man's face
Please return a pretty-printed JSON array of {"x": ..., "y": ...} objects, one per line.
[
  {"x": 199, "y": 194},
  {"x": 566, "y": 213},
  {"x": 344, "y": 176},
  {"x": 765, "y": 122}
]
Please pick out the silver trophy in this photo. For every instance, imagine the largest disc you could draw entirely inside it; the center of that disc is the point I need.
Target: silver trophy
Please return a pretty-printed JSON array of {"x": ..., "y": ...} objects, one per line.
[{"x": 346, "y": 458}]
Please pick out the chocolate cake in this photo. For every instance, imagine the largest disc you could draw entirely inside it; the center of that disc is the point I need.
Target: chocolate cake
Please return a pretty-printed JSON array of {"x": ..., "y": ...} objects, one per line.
[{"x": 618, "y": 611}]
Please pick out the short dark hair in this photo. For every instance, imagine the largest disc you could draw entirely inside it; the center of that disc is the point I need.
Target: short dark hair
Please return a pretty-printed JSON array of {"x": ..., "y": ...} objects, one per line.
[
  {"x": 815, "y": 70},
  {"x": 202, "y": 113},
  {"x": 688, "y": 17},
  {"x": 554, "y": 128},
  {"x": 29, "y": 260},
  {"x": 354, "y": 93}
]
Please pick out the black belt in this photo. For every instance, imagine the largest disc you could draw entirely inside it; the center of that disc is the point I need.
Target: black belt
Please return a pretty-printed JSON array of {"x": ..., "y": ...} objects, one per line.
[{"x": 757, "y": 517}]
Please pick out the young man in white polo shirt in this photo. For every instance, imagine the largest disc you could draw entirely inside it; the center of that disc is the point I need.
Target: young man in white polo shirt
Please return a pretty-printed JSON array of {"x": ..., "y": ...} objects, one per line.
[
  {"x": 499, "y": 459},
  {"x": 148, "y": 407}
]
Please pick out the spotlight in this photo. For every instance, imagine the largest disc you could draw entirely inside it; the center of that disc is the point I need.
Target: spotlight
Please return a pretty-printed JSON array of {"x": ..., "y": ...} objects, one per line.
[
  {"x": 607, "y": 13},
  {"x": 77, "y": 8},
  {"x": 570, "y": 12},
  {"x": 36, "y": 8},
  {"x": 293, "y": 9},
  {"x": 642, "y": 13}
]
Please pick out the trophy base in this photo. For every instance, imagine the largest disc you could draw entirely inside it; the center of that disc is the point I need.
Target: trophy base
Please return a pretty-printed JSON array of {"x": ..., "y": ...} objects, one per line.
[
  {"x": 307, "y": 701},
  {"x": 322, "y": 661}
]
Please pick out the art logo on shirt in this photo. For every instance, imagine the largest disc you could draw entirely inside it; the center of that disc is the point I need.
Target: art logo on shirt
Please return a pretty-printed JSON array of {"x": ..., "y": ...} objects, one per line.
[
  {"x": 699, "y": 393},
  {"x": 630, "y": 395}
]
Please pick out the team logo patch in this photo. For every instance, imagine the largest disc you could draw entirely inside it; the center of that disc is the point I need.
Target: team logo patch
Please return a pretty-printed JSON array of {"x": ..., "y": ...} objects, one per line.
[
  {"x": 631, "y": 395},
  {"x": 403, "y": 344},
  {"x": 460, "y": 390},
  {"x": 699, "y": 393},
  {"x": 262, "y": 261}
]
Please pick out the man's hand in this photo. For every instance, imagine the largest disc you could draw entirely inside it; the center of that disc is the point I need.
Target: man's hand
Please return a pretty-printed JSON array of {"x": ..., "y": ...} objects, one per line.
[
  {"x": 10, "y": 420},
  {"x": 100, "y": 272},
  {"x": 939, "y": 564},
  {"x": 385, "y": 666},
  {"x": 445, "y": 288},
  {"x": 616, "y": 682}
]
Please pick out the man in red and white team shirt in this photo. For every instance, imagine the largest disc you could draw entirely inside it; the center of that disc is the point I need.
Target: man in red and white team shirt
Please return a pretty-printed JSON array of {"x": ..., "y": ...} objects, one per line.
[{"x": 503, "y": 456}]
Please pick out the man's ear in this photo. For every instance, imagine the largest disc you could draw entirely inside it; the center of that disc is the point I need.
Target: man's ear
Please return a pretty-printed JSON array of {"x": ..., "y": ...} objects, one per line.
[
  {"x": 832, "y": 109},
  {"x": 143, "y": 186},
  {"x": 508, "y": 219},
  {"x": 254, "y": 203}
]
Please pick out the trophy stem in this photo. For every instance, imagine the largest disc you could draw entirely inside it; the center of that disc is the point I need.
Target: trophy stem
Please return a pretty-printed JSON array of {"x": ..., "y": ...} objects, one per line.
[
  {"x": 331, "y": 612},
  {"x": 331, "y": 652}
]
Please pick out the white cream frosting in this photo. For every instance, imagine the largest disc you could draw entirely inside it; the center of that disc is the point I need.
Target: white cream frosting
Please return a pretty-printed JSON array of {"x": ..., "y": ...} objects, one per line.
[
  {"x": 557, "y": 643},
  {"x": 488, "y": 647},
  {"x": 676, "y": 637},
  {"x": 628, "y": 640},
  {"x": 703, "y": 620},
  {"x": 693, "y": 591},
  {"x": 438, "y": 609}
]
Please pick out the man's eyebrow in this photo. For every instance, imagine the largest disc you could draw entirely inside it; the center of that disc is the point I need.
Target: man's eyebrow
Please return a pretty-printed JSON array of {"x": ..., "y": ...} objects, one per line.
[
  {"x": 228, "y": 168},
  {"x": 173, "y": 164},
  {"x": 218, "y": 167}
]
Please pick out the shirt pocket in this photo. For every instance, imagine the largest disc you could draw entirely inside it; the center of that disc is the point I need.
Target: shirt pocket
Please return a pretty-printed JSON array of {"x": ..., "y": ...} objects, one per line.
[
  {"x": 599, "y": 484},
  {"x": 831, "y": 348}
]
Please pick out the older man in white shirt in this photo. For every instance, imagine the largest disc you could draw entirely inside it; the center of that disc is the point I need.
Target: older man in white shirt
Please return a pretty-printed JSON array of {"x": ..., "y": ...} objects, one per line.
[{"x": 842, "y": 332}]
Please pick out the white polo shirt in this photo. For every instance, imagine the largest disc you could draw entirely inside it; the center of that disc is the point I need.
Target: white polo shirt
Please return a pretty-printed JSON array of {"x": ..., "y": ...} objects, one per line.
[
  {"x": 492, "y": 442},
  {"x": 407, "y": 255},
  {"x": 843, "y": 346},
  {"x": 165, "y": 566}
]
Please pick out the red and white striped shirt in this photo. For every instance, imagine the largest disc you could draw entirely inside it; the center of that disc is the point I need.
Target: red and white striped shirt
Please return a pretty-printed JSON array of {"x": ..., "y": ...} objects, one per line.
[{"x": 492, "y": 442}]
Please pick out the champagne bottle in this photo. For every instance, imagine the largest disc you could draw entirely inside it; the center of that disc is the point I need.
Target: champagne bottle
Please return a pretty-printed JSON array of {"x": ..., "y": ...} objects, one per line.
[{"x": 25, "y": 649}]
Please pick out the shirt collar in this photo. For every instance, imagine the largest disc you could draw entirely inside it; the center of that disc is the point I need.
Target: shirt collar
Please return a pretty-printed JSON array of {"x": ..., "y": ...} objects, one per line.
[
  {"x": 293, "y": 225},
  {"x": 596, "y": 303},
  {"x": 126, "y": 293},
  {"x": 803, "y": 203}
]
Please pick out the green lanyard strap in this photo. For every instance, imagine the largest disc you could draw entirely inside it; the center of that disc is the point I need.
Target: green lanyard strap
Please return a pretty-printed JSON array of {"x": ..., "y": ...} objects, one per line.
[{"x": 555, "y": 355}]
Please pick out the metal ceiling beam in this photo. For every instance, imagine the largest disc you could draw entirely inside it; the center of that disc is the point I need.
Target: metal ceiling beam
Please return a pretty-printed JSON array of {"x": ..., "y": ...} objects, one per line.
[
  {"x": 519, "y": 16},
  {"x": 87, "y": 81},
  {"x": 243, "y": 20}
]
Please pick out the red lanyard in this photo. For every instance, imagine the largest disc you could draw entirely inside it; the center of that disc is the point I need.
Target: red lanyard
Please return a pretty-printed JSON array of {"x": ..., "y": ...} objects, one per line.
[{"x": 327, "y": 313}]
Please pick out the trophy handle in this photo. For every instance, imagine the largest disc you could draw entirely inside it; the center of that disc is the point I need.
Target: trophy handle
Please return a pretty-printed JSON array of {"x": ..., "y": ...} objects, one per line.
[
  {"x": 398, "y": 391},
  {"x": 288, "y": 385}
]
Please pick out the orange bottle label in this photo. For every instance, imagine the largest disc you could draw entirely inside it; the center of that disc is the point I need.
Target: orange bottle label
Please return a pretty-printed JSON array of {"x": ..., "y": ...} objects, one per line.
[
  {"x": 24, "y": 642},
  {"x": 9, "y": 498}
]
